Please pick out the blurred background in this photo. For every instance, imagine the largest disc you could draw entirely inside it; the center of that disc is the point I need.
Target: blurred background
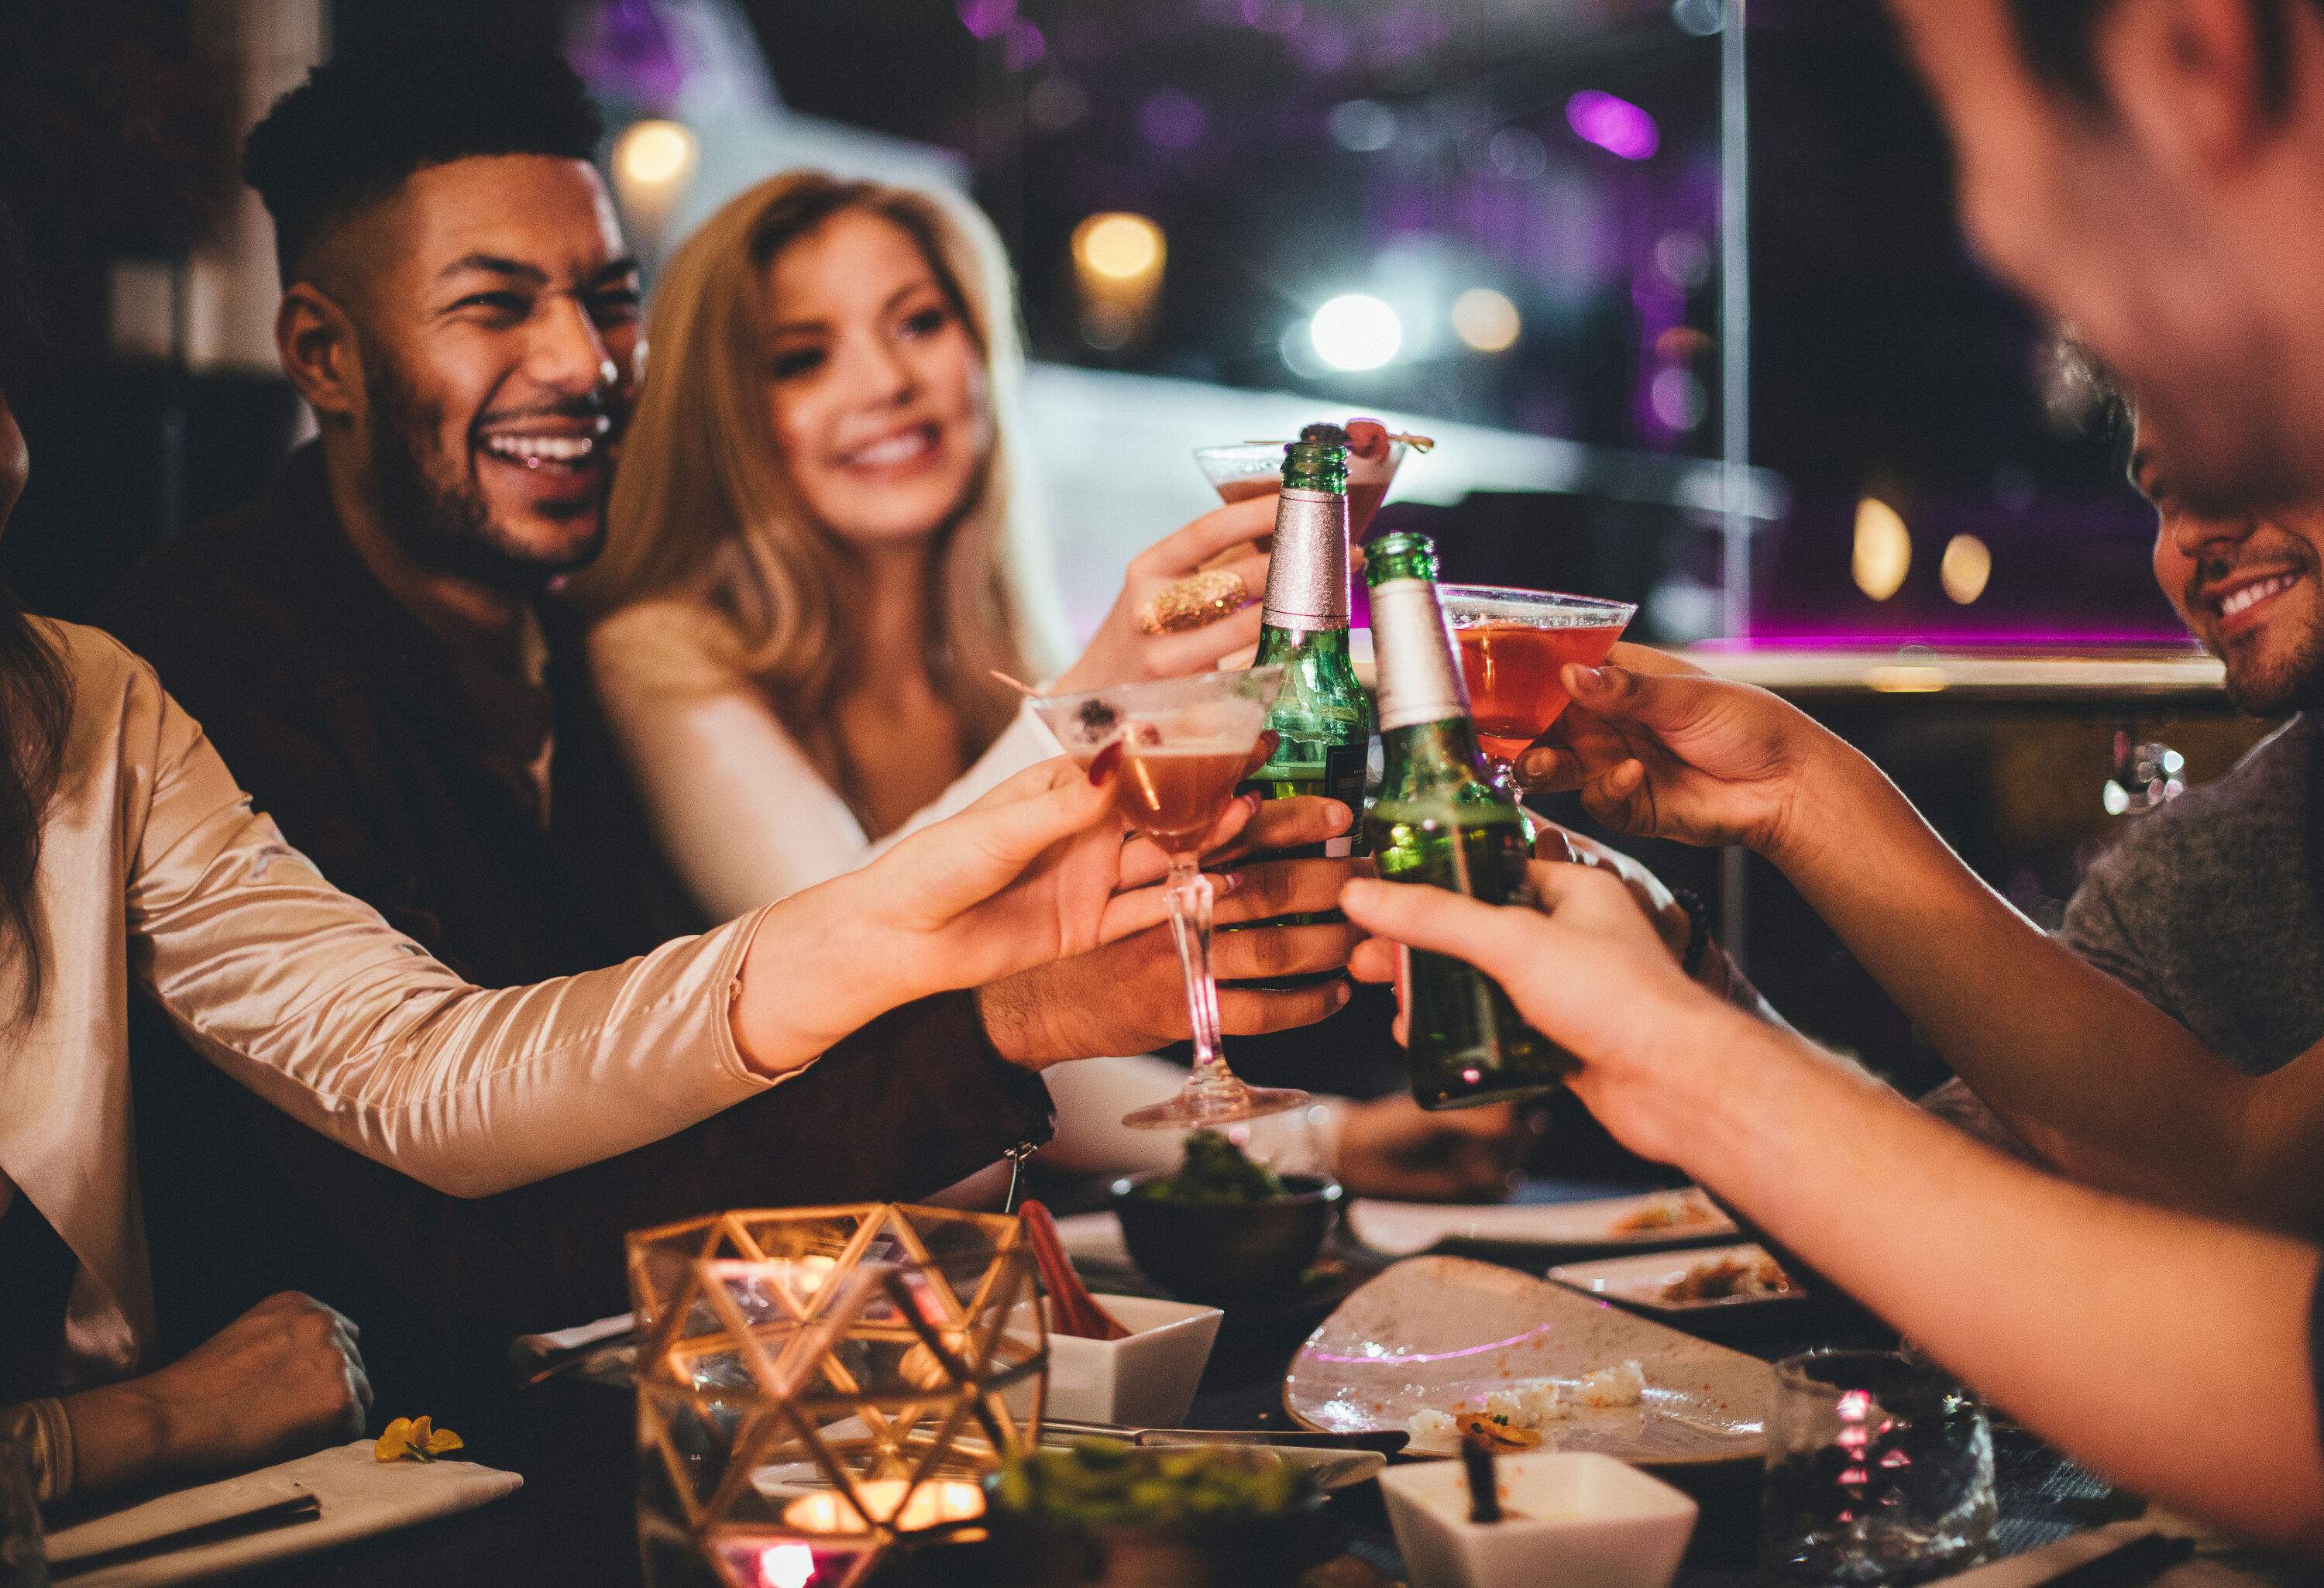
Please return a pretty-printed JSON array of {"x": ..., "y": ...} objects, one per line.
[{"x": 1683, "y": 302}]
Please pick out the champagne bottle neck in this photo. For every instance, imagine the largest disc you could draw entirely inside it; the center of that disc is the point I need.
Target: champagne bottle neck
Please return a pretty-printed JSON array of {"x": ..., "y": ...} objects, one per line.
[
  {"x": 1307, "y": 576},
  {"x": 1417, "y": 666}
]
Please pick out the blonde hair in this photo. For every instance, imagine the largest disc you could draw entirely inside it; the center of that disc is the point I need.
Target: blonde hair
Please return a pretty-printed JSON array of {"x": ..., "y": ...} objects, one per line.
[{"x": 702, "y": 508}]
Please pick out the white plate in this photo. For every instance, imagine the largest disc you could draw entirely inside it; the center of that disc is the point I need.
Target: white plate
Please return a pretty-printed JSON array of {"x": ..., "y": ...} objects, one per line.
[
  {"x": 1640, "y": 1280},
  {"x": 1400, "y": 1228},
  {"x": 1433, "y": 1332}
]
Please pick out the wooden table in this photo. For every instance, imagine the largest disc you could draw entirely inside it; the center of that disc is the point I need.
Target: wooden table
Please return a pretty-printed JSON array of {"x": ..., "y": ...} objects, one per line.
[{"x": 571, "y": 1525}]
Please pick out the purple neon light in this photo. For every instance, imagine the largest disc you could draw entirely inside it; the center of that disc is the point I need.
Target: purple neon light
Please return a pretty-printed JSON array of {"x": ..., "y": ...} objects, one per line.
[
  {"x": 1766, "y": 636},
  {"x": 987, "y": 18},
  {"x": 1437, "y": 1356},
  {"x": 1615, "y": 125}
]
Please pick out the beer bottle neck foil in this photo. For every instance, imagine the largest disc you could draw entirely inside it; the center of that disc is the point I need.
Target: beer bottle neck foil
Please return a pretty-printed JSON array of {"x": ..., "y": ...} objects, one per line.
[
  {"x": 1413, "y": 654},
  {"x": 1307, "y": 576}
]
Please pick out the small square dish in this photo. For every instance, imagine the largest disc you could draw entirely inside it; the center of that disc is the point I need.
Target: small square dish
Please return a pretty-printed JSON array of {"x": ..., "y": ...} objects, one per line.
[
  {"x": 1147, "y": 1380},
  {"x": 1570, "y": 1517},
  {"x": 1722, "y": 1279}
]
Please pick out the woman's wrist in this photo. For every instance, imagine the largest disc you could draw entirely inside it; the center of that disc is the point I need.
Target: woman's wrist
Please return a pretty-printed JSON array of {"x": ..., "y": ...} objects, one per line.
[{"x": 821, "y": 964}]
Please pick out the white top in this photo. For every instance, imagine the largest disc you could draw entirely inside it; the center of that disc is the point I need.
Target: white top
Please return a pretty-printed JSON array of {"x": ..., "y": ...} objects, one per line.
[
  {"x": 155, "y": 874},
  {"x": 741, "y": 812}
]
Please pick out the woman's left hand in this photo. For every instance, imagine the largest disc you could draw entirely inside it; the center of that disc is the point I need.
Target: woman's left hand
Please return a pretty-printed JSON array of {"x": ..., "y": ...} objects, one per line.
[{"x": 1123, "y": 652}]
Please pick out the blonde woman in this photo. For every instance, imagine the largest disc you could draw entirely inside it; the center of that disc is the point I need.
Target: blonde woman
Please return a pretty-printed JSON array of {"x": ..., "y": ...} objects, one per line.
[{"x": 819, "y": 551}]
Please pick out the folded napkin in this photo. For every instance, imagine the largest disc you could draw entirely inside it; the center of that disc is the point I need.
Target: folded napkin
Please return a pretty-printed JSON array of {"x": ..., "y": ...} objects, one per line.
[
  {"x": 360, "y": 1494},
  {"x": 534, "y": 1346}
]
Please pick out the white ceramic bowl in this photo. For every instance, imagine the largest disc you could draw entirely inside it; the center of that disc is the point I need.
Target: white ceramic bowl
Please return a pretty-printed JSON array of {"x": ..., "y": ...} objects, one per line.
[
  {"x": 1147, "y": 1380},
  {"x": 1571, "y": 1517}
]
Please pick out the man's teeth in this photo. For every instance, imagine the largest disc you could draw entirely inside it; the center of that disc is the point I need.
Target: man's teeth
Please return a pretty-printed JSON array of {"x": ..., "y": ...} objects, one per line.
[
  {"x": 2249, "y": 595},
  {"x": 532, "y": 451},
  {"x": 895, "y": 449}
]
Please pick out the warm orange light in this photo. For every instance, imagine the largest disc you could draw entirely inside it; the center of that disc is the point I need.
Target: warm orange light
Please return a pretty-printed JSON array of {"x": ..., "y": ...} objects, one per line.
[
  {"x": 1119, "y": 246},
  {"x": 932, "y": 1504},
  {"x": 1967, "y": 564},
  {"x": 1882, "y": 552}
]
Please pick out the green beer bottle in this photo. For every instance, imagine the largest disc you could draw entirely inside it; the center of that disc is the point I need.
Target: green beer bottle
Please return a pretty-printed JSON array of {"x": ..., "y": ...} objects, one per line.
[
  {"x": 1437, "y": 820},
  {"x": 1324, "y": 717}
]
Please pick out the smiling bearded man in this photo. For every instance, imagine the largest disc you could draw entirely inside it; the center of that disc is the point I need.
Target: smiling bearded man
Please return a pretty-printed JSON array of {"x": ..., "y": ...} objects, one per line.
[{"x": 376, "y": 645}]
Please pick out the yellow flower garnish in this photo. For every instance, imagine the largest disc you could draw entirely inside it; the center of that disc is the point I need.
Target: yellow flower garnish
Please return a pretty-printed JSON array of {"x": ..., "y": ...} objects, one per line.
[{"x": 415, "y": 1439}]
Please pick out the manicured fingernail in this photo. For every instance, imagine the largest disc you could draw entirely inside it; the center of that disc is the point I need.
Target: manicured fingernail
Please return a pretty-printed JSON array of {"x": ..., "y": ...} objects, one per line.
[
  {"x": 1340, "y": 816},
  {"x": 1224, "y": 882},
  {"x": 1592, "y": 678},
  {"x": 1341, "y": 993},
  {"x": 1357, "y": 892},
  {"x": 1534, "y": 763},
  {"x": 1104, "y": 764}
]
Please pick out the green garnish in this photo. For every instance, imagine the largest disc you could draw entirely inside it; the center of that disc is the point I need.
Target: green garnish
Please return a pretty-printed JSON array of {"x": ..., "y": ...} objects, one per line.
[
  {"x": 1104, "y": 1482},
  {"x": 1215, "y": 1170}
]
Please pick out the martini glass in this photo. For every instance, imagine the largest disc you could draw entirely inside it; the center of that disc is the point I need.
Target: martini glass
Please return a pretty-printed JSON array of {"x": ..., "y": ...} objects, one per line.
[
  {"x": 1255, "y": 468},
  {"x": 1513, "y": 643},
  {"x": 1183, "y": 745}
]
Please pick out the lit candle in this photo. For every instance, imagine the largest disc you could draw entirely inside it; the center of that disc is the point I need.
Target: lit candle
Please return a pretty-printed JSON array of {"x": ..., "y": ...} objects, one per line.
[{"x": 932, "y": 1504}]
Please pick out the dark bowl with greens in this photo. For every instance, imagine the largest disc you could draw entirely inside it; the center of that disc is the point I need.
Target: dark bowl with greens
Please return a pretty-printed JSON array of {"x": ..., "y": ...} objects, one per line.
[
  {"x": 1221, "y": 1229},
  {"x": 1101, "y": 1514}
]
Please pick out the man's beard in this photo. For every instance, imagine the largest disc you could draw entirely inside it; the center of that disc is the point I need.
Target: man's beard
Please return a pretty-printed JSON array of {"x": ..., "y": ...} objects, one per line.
[
  {"x": 450, "y": 528},
  {"x": 2284, "y": 683},
  {"x": 2295, "y": 683}
]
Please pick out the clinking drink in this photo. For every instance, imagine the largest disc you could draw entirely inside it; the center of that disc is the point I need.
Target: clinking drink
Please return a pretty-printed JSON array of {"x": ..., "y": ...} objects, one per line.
[
  {"x": 1438, "y": 821},
  {"x": 1512, "y": 671},
  {"x": 1174, "y": 794},
  {"x": 1324, "y": 718}
]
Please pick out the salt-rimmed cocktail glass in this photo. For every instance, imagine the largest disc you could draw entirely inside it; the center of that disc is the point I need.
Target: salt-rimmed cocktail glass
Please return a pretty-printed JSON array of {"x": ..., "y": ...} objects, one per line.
[{"x": 1183, "y": 745}]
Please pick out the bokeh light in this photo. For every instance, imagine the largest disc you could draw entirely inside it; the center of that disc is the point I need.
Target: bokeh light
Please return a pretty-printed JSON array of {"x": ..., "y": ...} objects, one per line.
[
  {"x": 1118, "y": 245},
  {"x": 1965, "y": 568},
  {"x": 1356, "y": 331},
  {"x": 1614, "y": 125},
  {"x": 1361, "y": 127},
  {"x": 1486, "y": 321},
  {"x": 1883, "y": 553},
  {"x": 653, "y": 153}
]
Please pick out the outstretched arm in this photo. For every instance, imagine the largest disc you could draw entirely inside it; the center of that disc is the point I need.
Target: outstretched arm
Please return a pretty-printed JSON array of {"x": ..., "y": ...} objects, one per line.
[
  {"x": 309, "y": 998},
  {"x": 2094, "y": 1076},
  {"x": 2117, "y": 1331}
]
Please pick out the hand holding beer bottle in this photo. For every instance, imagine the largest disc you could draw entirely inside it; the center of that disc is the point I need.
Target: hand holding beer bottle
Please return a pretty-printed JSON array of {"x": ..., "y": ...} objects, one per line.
[{"x": 1439, "y": 821}]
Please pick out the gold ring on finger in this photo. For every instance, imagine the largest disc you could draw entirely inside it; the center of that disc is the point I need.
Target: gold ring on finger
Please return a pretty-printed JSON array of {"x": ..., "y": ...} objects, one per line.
[{"x": 1194, "y": 602}]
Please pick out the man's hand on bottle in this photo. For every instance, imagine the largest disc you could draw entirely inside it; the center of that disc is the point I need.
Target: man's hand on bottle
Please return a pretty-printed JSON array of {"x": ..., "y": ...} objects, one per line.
[
  {"x": 1585, "y": 968},
  {"x": 1659, "y": 749},
  {"x": 1130, "y": 996}
]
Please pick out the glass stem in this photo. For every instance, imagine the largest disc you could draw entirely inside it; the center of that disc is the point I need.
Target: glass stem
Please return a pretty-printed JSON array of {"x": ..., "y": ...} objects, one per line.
[{"x": 1189, "y": 893}]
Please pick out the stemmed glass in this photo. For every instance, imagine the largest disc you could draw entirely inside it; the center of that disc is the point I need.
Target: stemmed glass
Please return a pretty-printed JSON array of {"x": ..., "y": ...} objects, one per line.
[
  {"x": 1255, "y": 468},
  {"x": 1513, "y": 643},
  {"x": 1184, "y": 744}
]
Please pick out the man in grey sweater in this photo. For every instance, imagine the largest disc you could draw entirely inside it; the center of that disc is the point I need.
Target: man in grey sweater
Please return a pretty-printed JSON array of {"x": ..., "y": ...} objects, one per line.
[{"x": 2212, "y": 907}]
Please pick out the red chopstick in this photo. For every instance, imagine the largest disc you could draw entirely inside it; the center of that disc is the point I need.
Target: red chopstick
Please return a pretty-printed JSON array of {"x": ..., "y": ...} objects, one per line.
[{"x": 1073, "y": 1310}]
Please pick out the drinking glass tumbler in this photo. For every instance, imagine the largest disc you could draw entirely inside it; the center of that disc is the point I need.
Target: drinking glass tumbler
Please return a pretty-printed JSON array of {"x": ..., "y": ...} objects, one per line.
[
  {"x": 23, "y": 1562},
  {"x": 1879, "y": 1473}
]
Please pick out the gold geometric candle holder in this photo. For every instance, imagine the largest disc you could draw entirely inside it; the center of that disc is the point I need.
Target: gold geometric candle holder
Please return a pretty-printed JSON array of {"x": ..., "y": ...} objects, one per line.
[{"x": 816, "y": 1385}]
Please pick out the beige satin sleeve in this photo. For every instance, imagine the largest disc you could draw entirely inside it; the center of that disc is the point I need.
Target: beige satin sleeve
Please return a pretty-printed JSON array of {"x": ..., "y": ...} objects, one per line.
[{"x": 306, "y": 996}]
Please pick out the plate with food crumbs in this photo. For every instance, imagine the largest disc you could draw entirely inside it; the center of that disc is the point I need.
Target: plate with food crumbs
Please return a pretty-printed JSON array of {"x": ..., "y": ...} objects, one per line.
[
  {"x": 1446, "y": 1349},
  {"x": 1719, "y": 1279},
  {"x": 1611, "y": 1223}
]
